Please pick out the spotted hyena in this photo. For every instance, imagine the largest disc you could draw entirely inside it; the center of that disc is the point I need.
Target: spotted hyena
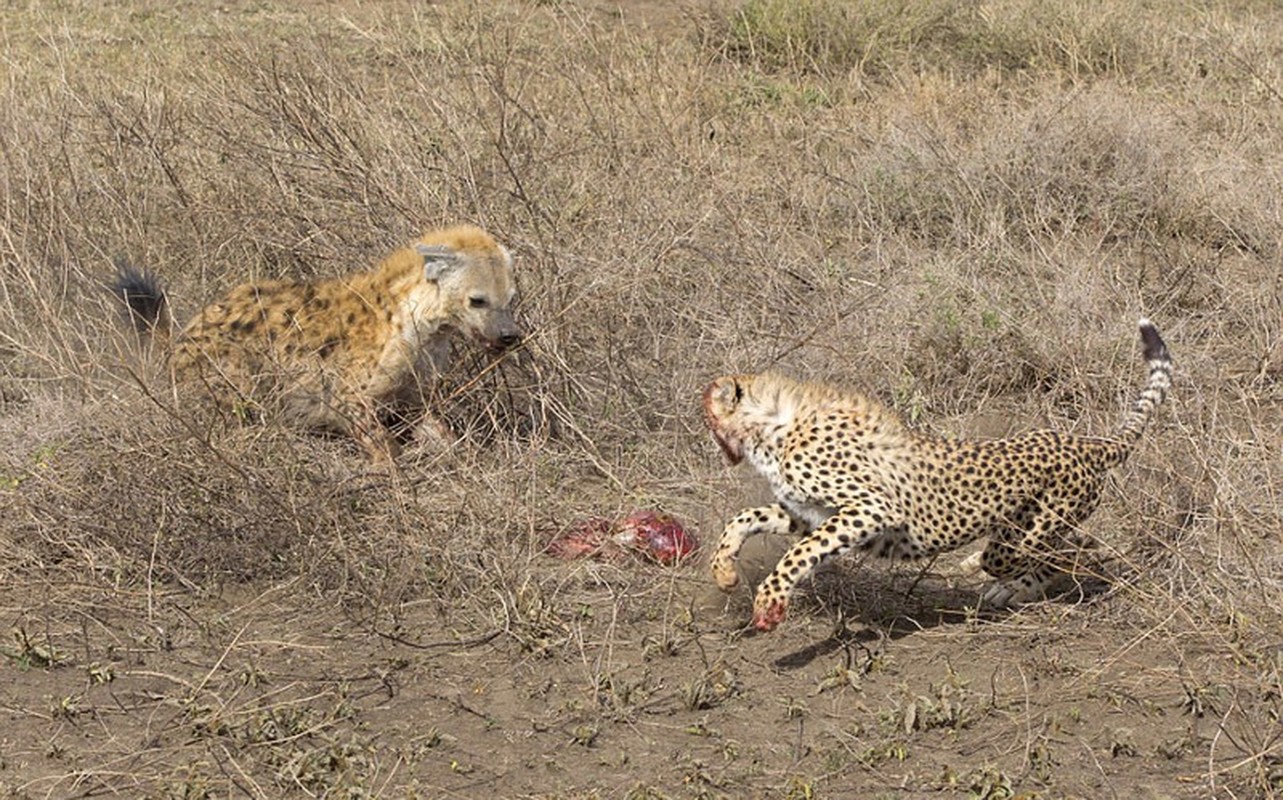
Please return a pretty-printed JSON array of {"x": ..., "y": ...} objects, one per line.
[{"x": 346, "y": 353}]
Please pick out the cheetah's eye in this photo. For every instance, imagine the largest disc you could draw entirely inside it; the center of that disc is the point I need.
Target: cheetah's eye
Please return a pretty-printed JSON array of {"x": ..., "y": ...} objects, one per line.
[
  {"x": 739, "y": 392},
  {"x": 477, "y": 302}
]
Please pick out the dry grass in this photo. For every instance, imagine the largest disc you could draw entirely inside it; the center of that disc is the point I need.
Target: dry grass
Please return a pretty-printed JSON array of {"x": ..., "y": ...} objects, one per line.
[{"x": 962, "y": 207}]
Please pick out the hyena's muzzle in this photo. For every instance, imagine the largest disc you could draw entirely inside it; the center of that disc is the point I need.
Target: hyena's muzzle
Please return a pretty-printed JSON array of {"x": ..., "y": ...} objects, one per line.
[{"x": 500, "y": 331}]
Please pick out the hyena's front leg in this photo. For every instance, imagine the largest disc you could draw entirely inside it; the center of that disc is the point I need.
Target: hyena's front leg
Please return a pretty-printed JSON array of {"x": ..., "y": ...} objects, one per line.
[
  {"x": 847, "y": 529},
  {"x": 373, "y": 437},
  {"x": 323, "y": 402},
  {"x": 750, "y": 522}
]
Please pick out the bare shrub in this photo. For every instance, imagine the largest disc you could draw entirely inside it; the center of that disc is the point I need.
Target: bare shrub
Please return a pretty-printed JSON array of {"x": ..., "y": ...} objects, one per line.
[
  {"x": 879, "y": 39},
  {"x": 962, "y": 208}
]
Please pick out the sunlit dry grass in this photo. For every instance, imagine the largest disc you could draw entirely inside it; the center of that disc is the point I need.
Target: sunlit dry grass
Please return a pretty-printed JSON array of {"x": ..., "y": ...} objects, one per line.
[{"x": 963, "y": 208}]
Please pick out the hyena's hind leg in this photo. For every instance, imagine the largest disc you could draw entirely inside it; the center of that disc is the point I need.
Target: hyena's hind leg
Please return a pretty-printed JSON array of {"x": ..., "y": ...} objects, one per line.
[{"x": 317, "y": 402}]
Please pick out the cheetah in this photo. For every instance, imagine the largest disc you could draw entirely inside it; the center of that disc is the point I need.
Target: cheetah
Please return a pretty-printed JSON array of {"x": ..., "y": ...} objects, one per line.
[
  {"x": 848, "y": 474},
  {"x": 345, "y": 354}
]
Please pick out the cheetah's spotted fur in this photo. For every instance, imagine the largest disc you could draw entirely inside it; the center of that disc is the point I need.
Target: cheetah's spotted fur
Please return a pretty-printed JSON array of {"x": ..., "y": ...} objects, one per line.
[{"x": 849, "y": 475}]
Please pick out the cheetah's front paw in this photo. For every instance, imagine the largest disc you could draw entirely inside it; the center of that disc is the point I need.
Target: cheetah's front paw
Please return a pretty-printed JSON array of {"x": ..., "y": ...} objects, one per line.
[
  {"x": 724, "y": 574},
  {"x": 768, "y": 613}
]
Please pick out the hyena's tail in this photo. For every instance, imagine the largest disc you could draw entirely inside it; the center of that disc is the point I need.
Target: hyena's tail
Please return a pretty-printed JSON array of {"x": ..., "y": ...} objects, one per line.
[
  {"x": 146, "y": 305},
  {"x": 1155, "y": 390}
]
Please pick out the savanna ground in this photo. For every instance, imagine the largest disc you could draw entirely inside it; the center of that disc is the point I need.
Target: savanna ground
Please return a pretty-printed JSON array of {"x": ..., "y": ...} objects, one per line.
[{"x": 962, "y": 207}]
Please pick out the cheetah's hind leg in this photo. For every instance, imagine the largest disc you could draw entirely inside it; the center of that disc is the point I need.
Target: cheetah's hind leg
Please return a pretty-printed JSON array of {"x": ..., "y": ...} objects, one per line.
[
  {"x": 1024, "y": 572},
  {"x": 972, "y": 564},
  {"x": 1027, "y": 587}
]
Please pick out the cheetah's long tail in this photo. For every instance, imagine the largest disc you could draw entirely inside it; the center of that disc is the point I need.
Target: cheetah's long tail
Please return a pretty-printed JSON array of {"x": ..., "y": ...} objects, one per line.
[
  {"x": 145, "y": 302},
  {"x": 1159, "y": 361}
]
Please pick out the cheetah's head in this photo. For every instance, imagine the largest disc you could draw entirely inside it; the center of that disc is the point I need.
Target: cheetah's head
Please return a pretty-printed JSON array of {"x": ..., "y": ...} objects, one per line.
[
  {"x": 721, "y": 400},
  {"x": 747, "y": 412}
]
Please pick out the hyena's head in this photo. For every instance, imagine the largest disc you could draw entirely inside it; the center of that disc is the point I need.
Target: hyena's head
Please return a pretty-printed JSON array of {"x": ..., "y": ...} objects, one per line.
[{"x": 473, "y": 274}]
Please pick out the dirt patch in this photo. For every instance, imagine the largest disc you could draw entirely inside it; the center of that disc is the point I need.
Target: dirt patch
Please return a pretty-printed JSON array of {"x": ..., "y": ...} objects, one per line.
[{"x": 663, "y": 695}]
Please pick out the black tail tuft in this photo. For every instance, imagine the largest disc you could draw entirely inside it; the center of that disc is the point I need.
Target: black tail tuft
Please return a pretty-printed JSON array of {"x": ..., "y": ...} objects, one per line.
[
  {"x": 142, "y": 295},
  {"x": 1155, "y": 348}
]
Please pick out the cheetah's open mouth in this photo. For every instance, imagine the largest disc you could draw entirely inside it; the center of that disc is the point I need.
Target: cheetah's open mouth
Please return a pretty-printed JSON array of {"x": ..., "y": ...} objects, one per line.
[{"x": 730, "y": 447}]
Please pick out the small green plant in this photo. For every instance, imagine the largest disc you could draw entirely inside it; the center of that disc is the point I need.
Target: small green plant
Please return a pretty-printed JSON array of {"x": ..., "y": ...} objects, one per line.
[
  {"x": 585, "y": 735},
  {"x": 800, "y": 788},
  {"x": 29, "y": 653},
  {"x": 100, "y": 673},
  {"x": 989, "y": 783},
  {"x": 879, "y": 754},
  {"x": 460, "y": 768},
  {"x": 947, "y": 706},
  {"x": 40, "y": 460},
  {"x": 702, "y": 730},
  {"x": 65, "y": 707},
  {"x": 714, "y": 687},
  {"x": 839, "y": 678},
  {"x": 794, "y": 708}
]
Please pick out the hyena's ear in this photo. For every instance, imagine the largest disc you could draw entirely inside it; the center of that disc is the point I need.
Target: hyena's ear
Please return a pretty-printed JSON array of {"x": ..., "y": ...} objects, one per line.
[{"x": 437, "y": 259}]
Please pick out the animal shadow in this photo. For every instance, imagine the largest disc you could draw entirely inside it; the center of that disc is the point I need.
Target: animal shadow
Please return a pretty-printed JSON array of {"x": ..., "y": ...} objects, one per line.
[{"x": 872, "y": 604}]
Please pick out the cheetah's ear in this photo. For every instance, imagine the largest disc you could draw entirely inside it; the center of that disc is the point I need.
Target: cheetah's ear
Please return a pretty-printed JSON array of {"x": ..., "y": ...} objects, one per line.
[{"x": 437, "y": 259}]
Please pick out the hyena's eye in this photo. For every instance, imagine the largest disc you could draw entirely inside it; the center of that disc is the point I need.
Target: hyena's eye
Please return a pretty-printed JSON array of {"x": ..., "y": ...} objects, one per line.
[{"x": 478, "y": 302}]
